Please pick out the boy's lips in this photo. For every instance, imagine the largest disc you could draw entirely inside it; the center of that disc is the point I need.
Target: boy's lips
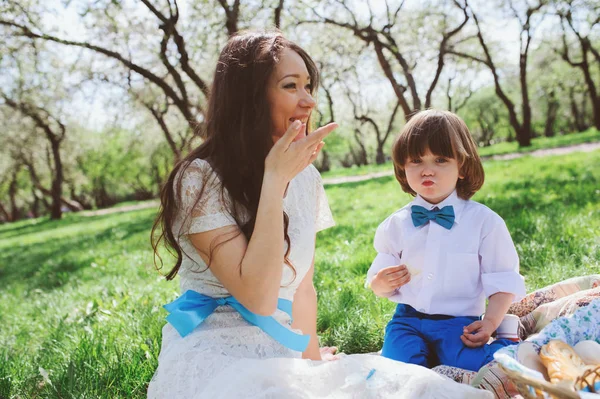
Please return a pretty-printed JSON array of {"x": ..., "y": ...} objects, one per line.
[{"x": 427, "y": 183}]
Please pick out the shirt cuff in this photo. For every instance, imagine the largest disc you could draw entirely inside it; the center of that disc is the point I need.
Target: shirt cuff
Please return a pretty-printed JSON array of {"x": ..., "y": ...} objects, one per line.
[{"x": 511, "y": 282}]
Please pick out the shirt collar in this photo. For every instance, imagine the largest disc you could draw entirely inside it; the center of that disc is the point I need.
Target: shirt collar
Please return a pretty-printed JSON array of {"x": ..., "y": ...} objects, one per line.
[{"x": 453, "y": 199}]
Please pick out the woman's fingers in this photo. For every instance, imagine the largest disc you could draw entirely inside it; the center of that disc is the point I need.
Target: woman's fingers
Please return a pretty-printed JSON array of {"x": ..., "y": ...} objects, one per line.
[
  {"x": 312, "y": 144},
  {"x": 290, "y": 134},
  {"x": 318, "y": 135},
  {"x": 317, "y": 151},
  {"x": 288, "y": 157}
]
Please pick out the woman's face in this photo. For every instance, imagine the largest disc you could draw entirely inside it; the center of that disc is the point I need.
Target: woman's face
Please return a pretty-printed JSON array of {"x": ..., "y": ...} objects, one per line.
[{"x": 289, "y": 94}]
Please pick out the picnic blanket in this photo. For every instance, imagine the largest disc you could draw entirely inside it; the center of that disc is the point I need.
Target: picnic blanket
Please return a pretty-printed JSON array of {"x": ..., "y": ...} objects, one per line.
[{"x": 536, "y": 311}]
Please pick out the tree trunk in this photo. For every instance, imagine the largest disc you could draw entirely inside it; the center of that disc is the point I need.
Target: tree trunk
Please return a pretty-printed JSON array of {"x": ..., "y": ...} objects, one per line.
[
  {"x": 577, "y": 124},
  {"x": 551, "y": 114},
  {"x": 4, "y": 215},
  {"x": 591, "y": 85},
  {"x": 35, "y": 207},
  {"x": 380, "y": 156},
  {"x": 12, "y": 194},
  {"x": 71, "y": 204},
  {"x": 57, "y": 181},
  {"x": 524, "y": 136}
]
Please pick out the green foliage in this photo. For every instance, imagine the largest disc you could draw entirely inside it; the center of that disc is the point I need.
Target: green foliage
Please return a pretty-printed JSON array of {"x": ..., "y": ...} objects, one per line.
[
  {"x": 80, "y": 298},
  {"x": 487, "y": 118},
  {"x": 118, "y": 168}
]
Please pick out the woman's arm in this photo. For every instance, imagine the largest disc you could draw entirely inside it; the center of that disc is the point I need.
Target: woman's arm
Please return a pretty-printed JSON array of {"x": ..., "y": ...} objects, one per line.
[
  {"x": 251, "y": 270},
  {"x": 304, "y": 313},
  {"x": 247, "y": 268}
]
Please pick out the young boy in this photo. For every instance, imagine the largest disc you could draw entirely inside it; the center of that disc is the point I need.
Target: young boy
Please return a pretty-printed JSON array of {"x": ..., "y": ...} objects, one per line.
[{"x": 442, "y": 255}]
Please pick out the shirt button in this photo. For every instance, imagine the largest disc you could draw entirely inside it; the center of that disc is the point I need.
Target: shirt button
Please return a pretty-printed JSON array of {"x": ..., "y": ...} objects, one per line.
[{"x": 430, "y": 276}]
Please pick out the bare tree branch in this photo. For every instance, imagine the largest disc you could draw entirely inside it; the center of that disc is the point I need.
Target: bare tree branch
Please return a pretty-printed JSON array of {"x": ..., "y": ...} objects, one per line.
[
  {"x": 277, "y": 14},
  {"x": 443, "y": 50},
  {"x": 384, "y": 42},
  {"x": 231, "y": 16},
  {"x": 168, "y": 90}
]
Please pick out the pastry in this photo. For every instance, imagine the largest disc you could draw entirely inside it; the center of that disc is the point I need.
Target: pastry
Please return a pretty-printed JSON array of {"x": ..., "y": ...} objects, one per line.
[{"x": 561, "y": 361}]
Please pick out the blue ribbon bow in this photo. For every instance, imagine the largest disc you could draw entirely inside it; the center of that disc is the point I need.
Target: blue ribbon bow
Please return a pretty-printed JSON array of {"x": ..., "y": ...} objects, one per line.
[
  {"x": 444, "y": 217},
  {"x": 192, "y": 308}
]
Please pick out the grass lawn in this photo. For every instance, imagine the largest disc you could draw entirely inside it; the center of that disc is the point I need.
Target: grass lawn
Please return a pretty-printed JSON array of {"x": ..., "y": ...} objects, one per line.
[
  {"x": 80, "y": 301},
  {"x": 589, "y": 136}
]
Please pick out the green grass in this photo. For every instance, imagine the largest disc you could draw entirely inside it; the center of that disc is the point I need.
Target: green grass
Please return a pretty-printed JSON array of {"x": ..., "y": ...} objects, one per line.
[
  {"x": 80, "y": 298},
  {"x": 589, "y": 136}
]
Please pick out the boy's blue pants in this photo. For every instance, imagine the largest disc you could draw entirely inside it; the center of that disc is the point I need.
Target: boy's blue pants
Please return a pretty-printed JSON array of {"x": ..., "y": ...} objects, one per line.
[{"x": 431, "y": 340}]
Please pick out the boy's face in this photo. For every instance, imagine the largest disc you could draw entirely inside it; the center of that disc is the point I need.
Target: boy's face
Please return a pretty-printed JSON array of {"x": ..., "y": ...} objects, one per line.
[{"x": 433, "y": 177}]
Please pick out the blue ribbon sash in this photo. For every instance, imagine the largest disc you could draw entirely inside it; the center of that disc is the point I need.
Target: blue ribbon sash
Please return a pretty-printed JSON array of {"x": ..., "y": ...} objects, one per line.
[{"x": 192, "y": 308}]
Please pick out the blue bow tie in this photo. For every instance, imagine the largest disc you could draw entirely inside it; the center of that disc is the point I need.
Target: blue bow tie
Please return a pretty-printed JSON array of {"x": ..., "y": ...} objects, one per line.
[{"x": 444, "y": 217}]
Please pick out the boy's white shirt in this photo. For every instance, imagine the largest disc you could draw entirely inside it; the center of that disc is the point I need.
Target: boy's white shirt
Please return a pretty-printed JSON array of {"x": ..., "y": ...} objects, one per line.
[{"x": 452, "y": 271}]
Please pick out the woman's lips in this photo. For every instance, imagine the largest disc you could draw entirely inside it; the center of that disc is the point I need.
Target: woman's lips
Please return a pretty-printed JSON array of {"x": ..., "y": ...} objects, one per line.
[{"x": 427, "y": 183}]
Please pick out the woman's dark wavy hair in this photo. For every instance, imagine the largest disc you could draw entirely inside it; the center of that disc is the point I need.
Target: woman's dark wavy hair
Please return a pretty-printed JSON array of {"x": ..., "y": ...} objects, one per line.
[{"x": 237, "y": 138}]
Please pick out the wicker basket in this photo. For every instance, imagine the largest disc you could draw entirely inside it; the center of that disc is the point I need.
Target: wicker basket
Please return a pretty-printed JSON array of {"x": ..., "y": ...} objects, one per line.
[{"x": 533, "y": 388}]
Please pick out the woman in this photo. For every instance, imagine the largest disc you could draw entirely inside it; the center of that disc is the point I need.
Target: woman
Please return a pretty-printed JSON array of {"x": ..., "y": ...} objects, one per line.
[{"x": 241, "y": 213}]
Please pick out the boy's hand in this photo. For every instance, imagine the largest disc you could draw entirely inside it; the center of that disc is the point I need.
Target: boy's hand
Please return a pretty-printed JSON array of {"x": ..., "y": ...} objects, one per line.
[
  {"x": 477, "y": 333},
  {"x": 387, "y": 280}
]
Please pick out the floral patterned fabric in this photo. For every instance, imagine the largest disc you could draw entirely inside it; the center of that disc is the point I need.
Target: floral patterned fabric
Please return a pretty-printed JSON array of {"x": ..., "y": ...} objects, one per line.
[
  {"x": 582, "y": 325},
  {"x": 456, "y": 374},
  {"x": 537, "y": 312},
  {"x": 539, "y": 308}
]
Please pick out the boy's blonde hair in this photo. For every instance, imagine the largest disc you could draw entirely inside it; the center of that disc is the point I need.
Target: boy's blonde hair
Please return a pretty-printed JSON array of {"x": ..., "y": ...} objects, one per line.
[{"x": 444, "y": 134}]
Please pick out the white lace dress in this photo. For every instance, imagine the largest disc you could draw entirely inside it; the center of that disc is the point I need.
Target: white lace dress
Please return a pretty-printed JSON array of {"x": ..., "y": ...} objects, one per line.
[{"x": 226, "y": 357}]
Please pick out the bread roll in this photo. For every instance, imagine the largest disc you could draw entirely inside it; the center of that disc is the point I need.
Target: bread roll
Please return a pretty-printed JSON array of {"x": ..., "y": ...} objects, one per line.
[{"x": 562, "y": 362}]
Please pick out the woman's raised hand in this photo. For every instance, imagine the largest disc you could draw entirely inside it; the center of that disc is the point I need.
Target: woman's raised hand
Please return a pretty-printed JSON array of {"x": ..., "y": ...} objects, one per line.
[{"x": 287, "y": 158}]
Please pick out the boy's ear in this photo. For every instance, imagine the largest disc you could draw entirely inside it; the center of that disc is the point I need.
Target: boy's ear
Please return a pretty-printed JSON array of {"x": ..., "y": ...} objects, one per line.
[{"x": 461, "y": 169}]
